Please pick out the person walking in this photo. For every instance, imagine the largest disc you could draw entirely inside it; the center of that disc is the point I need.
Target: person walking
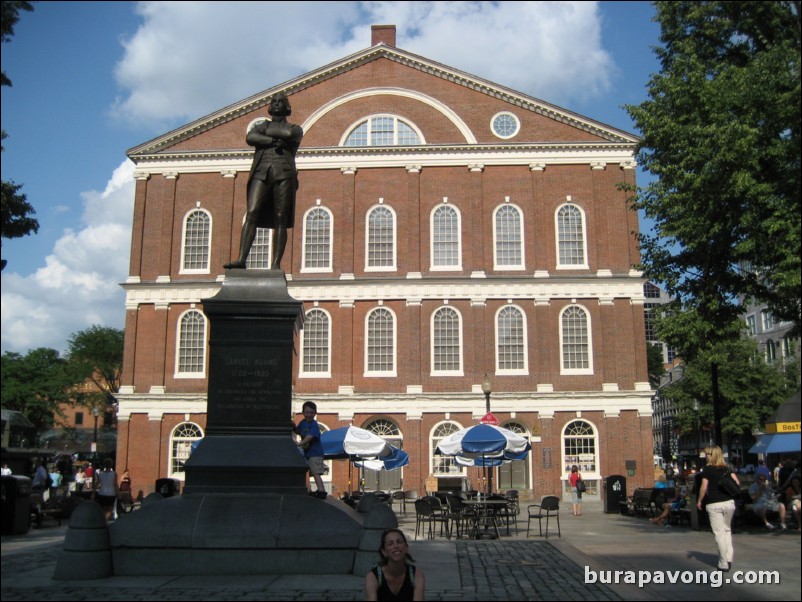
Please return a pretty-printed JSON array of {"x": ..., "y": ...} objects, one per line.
[
  {"x": 720, "y": 505},
  {"x": 576, "y": 495}
]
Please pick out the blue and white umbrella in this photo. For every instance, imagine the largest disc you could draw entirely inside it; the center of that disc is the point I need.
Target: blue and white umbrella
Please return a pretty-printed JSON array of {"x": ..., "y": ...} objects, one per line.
[
  {"x": 483, "y": 440},
  {"x": 353, "y": 443},
  {"x": 397, "y": 458}
]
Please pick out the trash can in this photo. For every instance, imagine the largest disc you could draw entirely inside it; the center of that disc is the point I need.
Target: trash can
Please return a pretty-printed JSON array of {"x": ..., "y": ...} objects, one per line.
[
  {"x": 168, "y": 487},
  {"x": 615, "y": 492},
  {"x": 16, "y": 509}
]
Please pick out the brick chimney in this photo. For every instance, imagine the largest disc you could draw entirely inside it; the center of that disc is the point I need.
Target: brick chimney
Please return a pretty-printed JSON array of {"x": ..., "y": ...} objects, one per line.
[{"x": 382, "y": 34}]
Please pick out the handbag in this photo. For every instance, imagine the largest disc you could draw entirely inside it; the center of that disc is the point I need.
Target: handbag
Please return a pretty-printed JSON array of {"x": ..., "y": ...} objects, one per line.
[
  {"x": 728, "y": 486},
  {"x": 580, "y": 486}
]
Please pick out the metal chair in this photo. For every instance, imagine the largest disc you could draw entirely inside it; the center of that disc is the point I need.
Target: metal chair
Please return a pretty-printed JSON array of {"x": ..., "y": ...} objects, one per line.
[
  {"x": 459, "y": 515},
  {"x": 424, "y": 515},
  {"x": 548, "y": 507},
  {"x": 410, "y": 495},
  {"x": 440, "y": 513}
]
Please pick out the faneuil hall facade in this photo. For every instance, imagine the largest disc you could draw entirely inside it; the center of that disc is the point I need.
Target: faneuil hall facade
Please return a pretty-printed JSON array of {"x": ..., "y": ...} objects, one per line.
[{"x": 447, "y": 229}]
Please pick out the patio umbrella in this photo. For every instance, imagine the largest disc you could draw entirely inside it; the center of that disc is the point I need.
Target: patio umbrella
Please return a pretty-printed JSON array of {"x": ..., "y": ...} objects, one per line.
[
  {"x": 486, "y": 444},
  {"x": 352, "y": 442},
  {"x": 483, "y": 440},
  {"x": 392, "y": 461}
]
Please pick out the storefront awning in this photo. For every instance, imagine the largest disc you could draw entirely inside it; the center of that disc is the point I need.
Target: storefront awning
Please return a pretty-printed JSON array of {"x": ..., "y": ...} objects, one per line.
[{"x": 777, "y": 444}]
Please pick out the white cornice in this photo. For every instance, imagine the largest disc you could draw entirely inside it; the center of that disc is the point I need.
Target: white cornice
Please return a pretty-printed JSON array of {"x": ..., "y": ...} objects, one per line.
[
  {"x": 310, "y": 159},
  {"x": 415, "y": 404},
  {"x": 521, "y": 289}
]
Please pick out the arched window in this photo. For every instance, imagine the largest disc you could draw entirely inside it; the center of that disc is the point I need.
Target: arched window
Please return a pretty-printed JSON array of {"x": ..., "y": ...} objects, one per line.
[
  {"x": 197, "y": 242},
  {"x": 380, "y": 252},
  {"x": 575, "y": 341},
  {"x": 259, "y": 256},
  {"x": 380, "y": 343},
  {"x": 446, "y": 342},
  {"x": 383, "y": 130},
  {"x": 181, "y": 440},
  {"x": 317, "y": 254},
  {"x": 579, "y": 447},
  {"x": 571, "y": 238},
  {"x": 315, "y": 344},
  {"x": 386, "y": 429},
  {"x": 446, "y": 239},
  {"x": 515, "y": 474},
  {"x": 444, "y": 465},
  {"x": 384, "y": 479},
  {"x": 191, "y": 352},
  {"x": 511, "y": 351},
  {"x": 509, "y": 235}
]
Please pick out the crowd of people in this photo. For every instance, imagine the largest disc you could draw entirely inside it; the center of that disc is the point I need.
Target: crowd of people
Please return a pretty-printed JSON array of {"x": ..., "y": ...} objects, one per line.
[{"x": 61, "y": 479}]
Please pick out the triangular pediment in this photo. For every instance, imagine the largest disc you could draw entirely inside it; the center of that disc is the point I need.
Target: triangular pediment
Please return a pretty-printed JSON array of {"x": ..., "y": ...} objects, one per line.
[{"x": 248, "y": 108}]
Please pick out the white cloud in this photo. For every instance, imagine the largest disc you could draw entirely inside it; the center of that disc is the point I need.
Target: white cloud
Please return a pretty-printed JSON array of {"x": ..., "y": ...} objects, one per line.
[
  {"x": 79, "y": 284},
  {"x": 190, "y": 58}
]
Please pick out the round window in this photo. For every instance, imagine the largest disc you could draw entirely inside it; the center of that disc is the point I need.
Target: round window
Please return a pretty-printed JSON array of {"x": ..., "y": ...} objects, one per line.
[{"x": 505, "y": 125}]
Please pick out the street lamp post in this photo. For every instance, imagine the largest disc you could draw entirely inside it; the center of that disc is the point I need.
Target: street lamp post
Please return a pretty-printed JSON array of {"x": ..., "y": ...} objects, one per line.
[
  {"x": 96, "y": 414},
  {"x": 487, "y": 389}
]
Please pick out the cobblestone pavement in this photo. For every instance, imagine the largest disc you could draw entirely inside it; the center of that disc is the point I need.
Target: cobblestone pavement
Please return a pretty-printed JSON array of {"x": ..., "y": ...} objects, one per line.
[{"x": 510, "y": 568}]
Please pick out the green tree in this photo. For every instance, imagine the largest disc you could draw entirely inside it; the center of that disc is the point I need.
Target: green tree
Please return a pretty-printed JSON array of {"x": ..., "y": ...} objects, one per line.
[
  {"x": 654, "y": 362},
  {"x": 721, "y": 133},
  {"x": 97, "y": 354},
  {"x": 750, "y": 389},
  {"x": 36, "y": 384},
  {"x": 15, "y": 211}
]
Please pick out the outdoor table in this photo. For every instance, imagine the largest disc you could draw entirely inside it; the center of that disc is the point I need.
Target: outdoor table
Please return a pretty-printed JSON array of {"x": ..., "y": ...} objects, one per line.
[{"x": 485, "y": 514}]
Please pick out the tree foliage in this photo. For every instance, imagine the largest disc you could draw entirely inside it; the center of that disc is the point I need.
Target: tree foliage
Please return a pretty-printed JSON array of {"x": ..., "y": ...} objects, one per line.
[
  {"x": 15, "y": 211},
  {"x": 36, "y": 384},
  {"x": 654, "y": 363},
  {"x": 97, "y": 353},
  {"x": 721, "y": 133},
  {"x": 750, "y": 390}
]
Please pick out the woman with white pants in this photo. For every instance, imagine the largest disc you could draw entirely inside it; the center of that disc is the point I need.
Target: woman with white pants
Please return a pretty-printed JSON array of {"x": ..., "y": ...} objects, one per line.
[{"x": 720, "y": 505}]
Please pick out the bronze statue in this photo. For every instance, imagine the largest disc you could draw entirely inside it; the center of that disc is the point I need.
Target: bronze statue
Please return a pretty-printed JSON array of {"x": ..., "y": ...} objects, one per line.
[{"x": 273, "y": 181}]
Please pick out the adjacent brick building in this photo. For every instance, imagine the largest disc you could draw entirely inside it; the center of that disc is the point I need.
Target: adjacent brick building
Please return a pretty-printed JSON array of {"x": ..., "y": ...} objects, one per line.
[{"x": 447, "y": 228}]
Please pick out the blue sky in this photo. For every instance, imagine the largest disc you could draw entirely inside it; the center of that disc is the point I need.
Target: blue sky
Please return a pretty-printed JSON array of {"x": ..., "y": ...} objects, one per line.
[{"x": 93, "y": 79}]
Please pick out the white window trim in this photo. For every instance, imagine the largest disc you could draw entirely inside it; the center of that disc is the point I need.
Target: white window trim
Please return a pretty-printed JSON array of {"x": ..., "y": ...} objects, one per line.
[
  {"x": 369, "y": 118},
  {"x": 585, "y": 475},
  {"x": 461, "y": 370},
  {"x": 382, "y": 268},
  {"x": 183, "y": 270},
  {"x": 516, "y": 372},
  {"x": 326, "y": 374},
  {"x": 202, "y": 374},
  {"x": 578, "y": 266},
  {"x": 170, "y": 456},
  {"x": 462, "y": 469},
  {"x": 445, "y": 268},
  {"x": 318, "y": 270},
  {"x": 517, "y": 125},
  {"x": 576, "y": 371},
  {"x": 381, "y": 373},
  {"x": 508, "y": 268}
]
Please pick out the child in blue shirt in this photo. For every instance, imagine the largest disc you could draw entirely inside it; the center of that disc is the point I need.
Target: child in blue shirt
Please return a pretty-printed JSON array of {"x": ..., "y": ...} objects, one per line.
[{"x": 309, "y": 431}]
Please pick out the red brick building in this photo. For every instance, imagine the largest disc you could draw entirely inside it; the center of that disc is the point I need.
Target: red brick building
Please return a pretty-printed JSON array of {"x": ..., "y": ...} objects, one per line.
[{"x": 446, "y": 228}]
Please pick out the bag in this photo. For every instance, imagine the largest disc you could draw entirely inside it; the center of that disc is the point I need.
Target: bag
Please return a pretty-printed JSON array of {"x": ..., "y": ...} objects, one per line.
[
  {"x": 580, "y": 486},
  {"x": 728, "y": 486}
]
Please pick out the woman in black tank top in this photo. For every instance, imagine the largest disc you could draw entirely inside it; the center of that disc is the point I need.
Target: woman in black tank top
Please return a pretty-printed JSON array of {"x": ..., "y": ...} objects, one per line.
[{"x": 395, "y": 577}]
